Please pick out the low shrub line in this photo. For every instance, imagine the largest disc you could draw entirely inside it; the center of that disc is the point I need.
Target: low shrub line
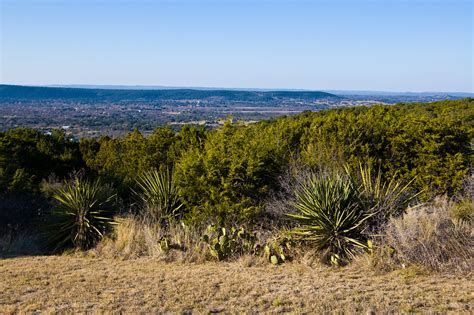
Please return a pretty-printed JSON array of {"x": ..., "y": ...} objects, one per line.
[{"x": 335, "y": 215}]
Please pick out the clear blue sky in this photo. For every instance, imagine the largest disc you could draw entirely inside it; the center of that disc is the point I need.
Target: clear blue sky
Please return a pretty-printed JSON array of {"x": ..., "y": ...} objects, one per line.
[{"x": 404, "y": 45}]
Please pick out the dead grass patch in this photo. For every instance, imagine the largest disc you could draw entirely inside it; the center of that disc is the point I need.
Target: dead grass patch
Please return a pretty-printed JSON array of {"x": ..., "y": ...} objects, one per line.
[
  {"x": 427, "y": 236},
  {"x": 134, "y": 237},
  {"x": 72, "y": 284}
]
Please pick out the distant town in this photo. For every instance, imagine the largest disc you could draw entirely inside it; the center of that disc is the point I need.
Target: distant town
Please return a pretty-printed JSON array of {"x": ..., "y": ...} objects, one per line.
[{"x": 95, "y": 112}]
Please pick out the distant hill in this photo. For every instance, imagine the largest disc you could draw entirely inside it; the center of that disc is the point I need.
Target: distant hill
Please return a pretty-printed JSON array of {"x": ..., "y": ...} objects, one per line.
[{"x": 38, "y": 93}]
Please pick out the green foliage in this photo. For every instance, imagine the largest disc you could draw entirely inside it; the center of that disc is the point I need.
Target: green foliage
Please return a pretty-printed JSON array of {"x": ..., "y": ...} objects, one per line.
[
  {"x": 28, "y": 156},
  {"x": 225, "y": 175},
  {"x": 82, "y": 215},
  {"x": 159, "y": 194},
  {"x": 21, "y": 181},
  {"x": 229, "y": 177},
  {"x": 331, "y": 216},
  {"x": 428, "y": 142},
  {"x": 225, "y": 243},
  {"x": 120, "y": 160}
]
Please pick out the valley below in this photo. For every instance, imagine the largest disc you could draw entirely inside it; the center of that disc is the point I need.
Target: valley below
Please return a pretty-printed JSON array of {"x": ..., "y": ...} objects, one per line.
[{"x": 93, "y": 112}]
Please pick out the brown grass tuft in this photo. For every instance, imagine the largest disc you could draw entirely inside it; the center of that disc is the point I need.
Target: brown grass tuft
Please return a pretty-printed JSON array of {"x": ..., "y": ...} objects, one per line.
[
  {"x": 428, "y": 236},
  {"x": 135, "y": 237}
]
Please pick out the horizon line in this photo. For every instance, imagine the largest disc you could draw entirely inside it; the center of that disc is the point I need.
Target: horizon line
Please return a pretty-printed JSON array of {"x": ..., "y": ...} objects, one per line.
[{"x": 168, "y": 87}]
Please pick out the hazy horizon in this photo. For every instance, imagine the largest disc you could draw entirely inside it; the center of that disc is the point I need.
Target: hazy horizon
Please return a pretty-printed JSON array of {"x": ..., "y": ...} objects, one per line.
[
  {"x": 391, "y": 46},
  {"x": 164, "y": 87}
]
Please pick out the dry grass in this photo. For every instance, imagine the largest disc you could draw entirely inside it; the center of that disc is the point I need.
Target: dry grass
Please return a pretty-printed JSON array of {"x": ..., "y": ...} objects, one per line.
[
  {"x": 429, "y": 236},
  {"x": 432, "y": 236},
  {"x": 135, "y": 237},
  {"x": 130, "y": 272},
  {"x": 72, "y": 284}
]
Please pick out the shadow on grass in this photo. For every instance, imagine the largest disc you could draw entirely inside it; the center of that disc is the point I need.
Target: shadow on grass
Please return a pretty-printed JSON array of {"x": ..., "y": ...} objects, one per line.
[
  {"x": 20, "y": 245},
  {"x": 21, "y": 216}
]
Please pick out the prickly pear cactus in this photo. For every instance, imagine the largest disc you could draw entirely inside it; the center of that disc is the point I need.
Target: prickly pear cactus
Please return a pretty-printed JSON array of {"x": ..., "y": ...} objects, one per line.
[
  {"x": 278, "y": 251},
  {"x": 164, "y": 244},
  {"x": 225, "y": 242},
  {"x": 274, "y": 260}
]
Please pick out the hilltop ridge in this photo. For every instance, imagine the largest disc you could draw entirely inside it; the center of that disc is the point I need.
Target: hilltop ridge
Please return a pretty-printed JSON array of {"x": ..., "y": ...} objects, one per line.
[{"x": 33, "y": 92}]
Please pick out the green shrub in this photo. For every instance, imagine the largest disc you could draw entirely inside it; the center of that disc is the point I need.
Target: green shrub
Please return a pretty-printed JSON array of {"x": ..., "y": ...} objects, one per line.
[
  {"x": 120, "y": 160},
  {"x": 228, "y": 179},
  {"x": 82, "y": 215},
  {"x": 331, "y": 215},
  {"x": 426, "y": 141},
  {"x": 27, "y": 156}
]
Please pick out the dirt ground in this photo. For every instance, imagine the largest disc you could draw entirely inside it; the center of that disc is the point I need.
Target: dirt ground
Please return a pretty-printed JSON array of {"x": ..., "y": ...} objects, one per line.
[{"x": 71, "y": 284}]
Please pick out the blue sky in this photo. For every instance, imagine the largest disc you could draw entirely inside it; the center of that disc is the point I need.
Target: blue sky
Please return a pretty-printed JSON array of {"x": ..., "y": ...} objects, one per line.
[{"x": 322, "y": 45}]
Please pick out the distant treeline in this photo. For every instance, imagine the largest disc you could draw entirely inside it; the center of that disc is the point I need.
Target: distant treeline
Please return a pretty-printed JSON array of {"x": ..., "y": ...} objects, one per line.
[
  {"x": 12, "y": 92},
  {"x": 229, "y": 172}
]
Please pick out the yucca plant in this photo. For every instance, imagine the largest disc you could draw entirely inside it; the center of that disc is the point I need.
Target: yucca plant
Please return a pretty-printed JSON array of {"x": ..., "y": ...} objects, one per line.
[
  {"x": 159, "y": 194},
  {"x": 331, "y": 216},
  {"x": 82, "y": 215},
  {"x": 384, "y": 197}
]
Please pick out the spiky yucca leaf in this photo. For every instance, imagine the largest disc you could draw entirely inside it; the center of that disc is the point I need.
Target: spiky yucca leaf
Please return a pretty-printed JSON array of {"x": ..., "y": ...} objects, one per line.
[
  {"x": 82, "y": 215},
  {"x": 387, "y": 198},
  {"x": 330, "y": 215},
  {"x": 159, "y": 194}
]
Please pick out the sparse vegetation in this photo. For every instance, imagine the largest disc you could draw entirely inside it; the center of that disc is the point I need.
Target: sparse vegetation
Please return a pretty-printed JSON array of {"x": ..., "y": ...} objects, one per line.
[
  {"x": 137, "y": 236},
  {"x": 427, "y": 236}
]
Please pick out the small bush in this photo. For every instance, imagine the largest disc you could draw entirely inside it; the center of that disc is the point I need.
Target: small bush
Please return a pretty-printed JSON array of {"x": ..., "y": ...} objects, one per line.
[
  {"x": 83, "y": 213},
  {"x": 428, "y": 236}
]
